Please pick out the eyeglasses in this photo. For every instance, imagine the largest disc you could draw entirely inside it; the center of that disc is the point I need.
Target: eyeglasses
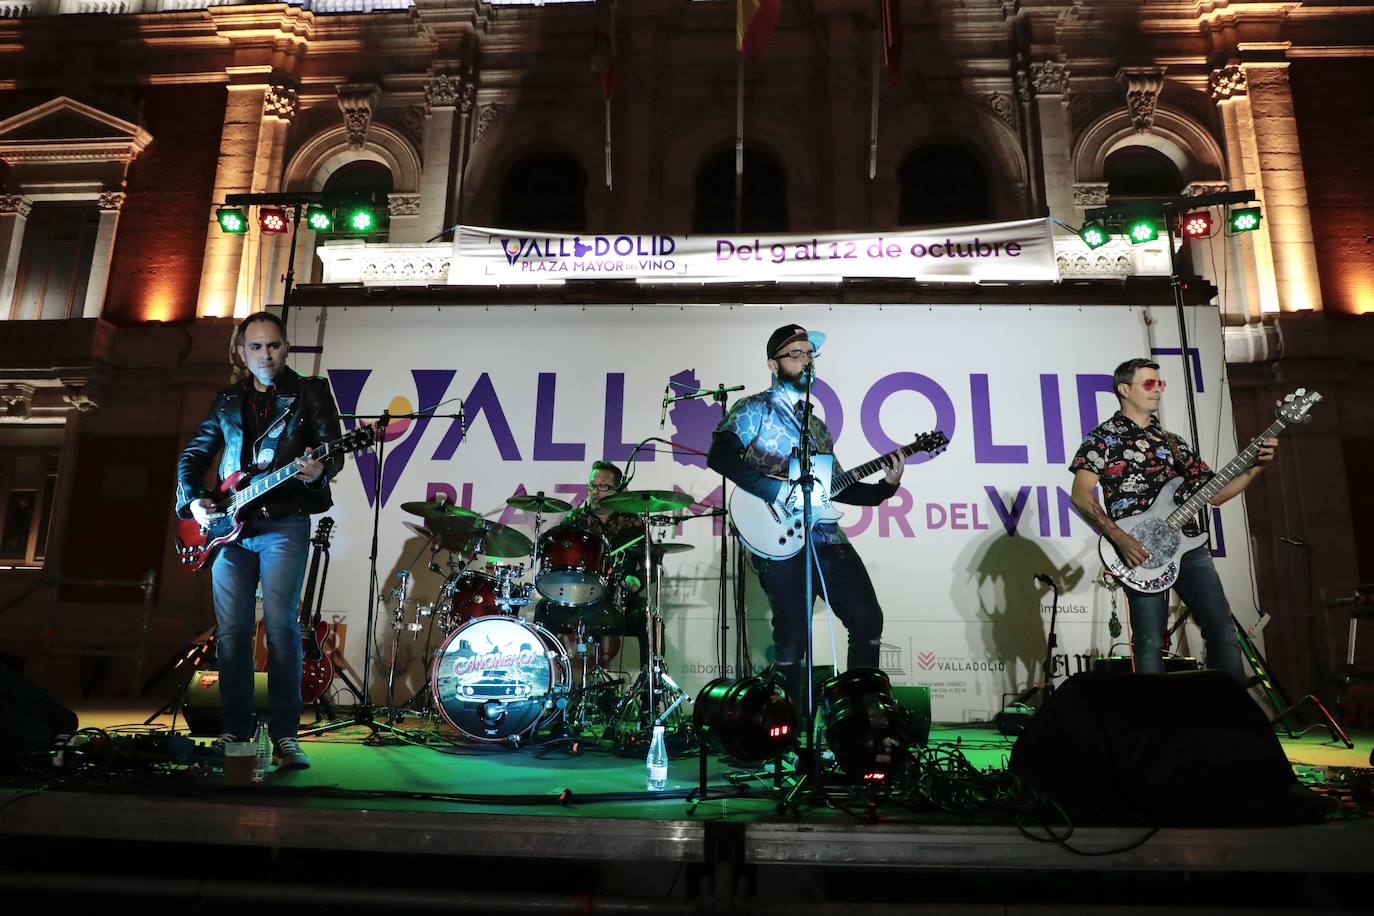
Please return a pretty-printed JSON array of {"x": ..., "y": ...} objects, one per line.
[
  {"x": 1150, "y": 384},
  {"x": 601, "y": 487},
  {"x": 798, "y": 354}
]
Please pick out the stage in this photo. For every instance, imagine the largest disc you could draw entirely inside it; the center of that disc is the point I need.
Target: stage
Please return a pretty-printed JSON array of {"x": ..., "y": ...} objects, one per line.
[{"x": 445, "y": 825}]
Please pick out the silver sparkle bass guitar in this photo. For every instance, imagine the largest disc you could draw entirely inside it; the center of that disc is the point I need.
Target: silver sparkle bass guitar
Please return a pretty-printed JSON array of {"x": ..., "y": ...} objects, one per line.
[{"x": 1159, "y": 528}]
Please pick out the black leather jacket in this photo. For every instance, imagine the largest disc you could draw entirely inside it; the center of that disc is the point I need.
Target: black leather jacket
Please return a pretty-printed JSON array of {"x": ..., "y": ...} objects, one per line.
[{"x": 314, "y": 420}]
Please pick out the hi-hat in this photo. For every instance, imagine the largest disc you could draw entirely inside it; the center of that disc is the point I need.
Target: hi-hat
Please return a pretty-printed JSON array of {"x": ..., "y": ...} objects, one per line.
[
  {"x": 436, "y": 509},
  {"x": 673, "y": 547},
  {"x": 480, "y": 536},
  {"x": 538, "y": 503},
  {"x": 640, "y": 502}
]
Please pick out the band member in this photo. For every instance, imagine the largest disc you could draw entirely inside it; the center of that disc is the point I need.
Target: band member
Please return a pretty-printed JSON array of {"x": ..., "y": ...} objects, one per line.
[
  {"x": 270, "y": 418},
  {"x": 621, "y": 610},
  {"x": 1132, "y": 457},
  {"x": 752, "y": 447}
]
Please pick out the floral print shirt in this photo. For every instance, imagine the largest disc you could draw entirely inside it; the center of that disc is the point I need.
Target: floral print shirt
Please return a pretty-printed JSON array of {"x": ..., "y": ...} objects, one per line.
[{"x": 1133, "y": 464}]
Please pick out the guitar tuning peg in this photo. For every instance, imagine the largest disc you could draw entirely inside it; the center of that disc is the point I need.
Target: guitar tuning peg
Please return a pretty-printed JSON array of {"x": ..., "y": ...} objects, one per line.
[{"x": 1301, "y": 392}]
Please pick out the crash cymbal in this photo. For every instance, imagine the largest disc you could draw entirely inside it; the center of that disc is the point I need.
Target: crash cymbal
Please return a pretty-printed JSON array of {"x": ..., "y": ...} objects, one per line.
[
  {"x": 422, "y": 532},
  {"x": 673, "y": 547},
  {"x": 538, "y": 503},
  {"x": 480, "y": 536},
  {"x": 638, "y": 502},
  {"x": 437, "y": 509}
]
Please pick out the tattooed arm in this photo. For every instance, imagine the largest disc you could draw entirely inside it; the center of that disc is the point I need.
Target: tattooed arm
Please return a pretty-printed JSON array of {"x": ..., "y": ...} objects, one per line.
[{"x": 1088, "y": 506}]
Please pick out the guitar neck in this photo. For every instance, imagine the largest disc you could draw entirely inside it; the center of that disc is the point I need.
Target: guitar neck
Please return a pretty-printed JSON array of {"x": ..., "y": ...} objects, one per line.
[
  {"x": 1194, "y": 504},
  {"x": 261, "y": 486},
  {"x": 839, "y": 484}
]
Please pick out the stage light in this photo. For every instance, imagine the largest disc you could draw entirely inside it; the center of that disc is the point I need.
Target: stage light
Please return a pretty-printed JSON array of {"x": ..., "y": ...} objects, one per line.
[
  {"x": 1246, "y": 220},
  {"x": 750, "y": 719},
  {"x": 319, "y": 219},
  {"x": 1142, "y": 230},
  {"x": 360, "y": 220},
  {"x": 232, "y": 219},
  {"x": 1195, "y": 225},
  {"x": 272, "y": 220},
  {"x": 1094, "y": 235},
  {"x": 869, "y": 733}
]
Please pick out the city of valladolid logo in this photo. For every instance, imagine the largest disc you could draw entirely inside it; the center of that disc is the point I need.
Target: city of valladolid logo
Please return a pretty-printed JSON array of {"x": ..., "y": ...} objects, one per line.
[{"x": 931, "y": 661}]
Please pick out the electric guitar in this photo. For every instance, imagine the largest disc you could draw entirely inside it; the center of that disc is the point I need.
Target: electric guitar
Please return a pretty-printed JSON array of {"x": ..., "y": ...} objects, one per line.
[
  {"x": 1159, "y": 529},
  {"x": 774, "y": 530},
  {"x": 316, "y": 668},
  {"x": 195, "y": 544}
]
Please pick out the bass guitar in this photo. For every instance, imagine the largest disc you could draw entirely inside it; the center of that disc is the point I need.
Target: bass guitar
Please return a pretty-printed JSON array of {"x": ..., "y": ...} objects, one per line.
[
  {"x": 774, "y": 530},
  {"x": 316, "y": 669},
  {"x": 195, "y": 544},
  {"x": 1159, "y": 528}
]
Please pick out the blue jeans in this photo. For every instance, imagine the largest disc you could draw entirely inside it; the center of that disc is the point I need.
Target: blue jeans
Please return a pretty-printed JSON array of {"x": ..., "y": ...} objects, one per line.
[
  {"x": 1199, "y": 587},
  {"x": 852, "y": 599},
  {"x": 275, "y": 551}
]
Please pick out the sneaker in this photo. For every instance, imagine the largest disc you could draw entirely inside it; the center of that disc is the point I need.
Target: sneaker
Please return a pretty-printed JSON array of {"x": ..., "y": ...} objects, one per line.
[
  {"x": 226, "y": 738},
  {"x": 289, "y": 755}
]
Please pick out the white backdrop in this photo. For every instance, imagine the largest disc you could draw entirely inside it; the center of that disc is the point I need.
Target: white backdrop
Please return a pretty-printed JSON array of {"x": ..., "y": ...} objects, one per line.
[{"x": 550, "y": 389}]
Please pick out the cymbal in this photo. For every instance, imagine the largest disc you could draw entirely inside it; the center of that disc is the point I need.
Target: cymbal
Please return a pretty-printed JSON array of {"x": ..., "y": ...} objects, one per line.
[
  {"x": 438, "y": 509},
  {"x": 639, "y": 502},
  {"x": 673, "y": 547},
  {"x": 538, "y": 503},
  {"x": 422, "y": 532},
  {"x": 480, "y": 536}
]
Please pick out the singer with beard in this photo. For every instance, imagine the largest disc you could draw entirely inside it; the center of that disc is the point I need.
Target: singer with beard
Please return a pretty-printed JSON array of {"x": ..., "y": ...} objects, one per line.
[{"x": 752, "y": 447}]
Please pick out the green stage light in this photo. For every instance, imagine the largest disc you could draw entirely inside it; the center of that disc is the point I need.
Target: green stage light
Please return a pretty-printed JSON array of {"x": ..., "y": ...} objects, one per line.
[
  {"x": 319, "y": 219},
  {"x": 1094, "y": 235},
  {"x": 360, "y": 220},
  {"x": 1246, "y": 220},
  {"x": 232, "y": 219},
  {"x": 1142, "y": 230}
]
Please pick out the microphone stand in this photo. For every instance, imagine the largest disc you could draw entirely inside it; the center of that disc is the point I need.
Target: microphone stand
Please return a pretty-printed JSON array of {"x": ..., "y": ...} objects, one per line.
[
  {"x": 364, "y": 713},
  {"x": 719, "y": 394},
  {"x": 1046, "y": 686},
  {"x": 811, "y": 780}
]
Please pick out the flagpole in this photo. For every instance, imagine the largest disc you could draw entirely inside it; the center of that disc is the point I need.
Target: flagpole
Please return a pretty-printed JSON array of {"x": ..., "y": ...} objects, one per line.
[
  {"x": 608, "y": 142},
  {"x": 873, "y": 106},
  {"x": 739, "y": 140}
]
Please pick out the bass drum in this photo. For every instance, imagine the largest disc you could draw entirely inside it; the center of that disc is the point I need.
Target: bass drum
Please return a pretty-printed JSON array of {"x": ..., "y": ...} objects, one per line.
[{"x": 497, "y": 679}]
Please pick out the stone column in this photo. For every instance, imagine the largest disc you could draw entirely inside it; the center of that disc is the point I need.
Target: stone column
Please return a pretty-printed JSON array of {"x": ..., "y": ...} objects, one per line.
[
  {"x": 99, "y": 278},
  {"x": 278, "y": 111},
  {"x": 437, "y": 178},
  {"x": 1250, "y": 252},
  {"x": 1050, "y": 83},
  {"x": 226, "y": 277},
  {"x": 14, "y": 216}
]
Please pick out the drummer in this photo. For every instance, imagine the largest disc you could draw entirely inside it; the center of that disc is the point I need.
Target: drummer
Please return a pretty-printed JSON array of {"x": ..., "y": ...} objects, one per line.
[{"x": 619, "y": 528}]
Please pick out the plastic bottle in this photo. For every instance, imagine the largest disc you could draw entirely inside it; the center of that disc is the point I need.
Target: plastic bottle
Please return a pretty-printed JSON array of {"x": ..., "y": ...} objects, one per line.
[
  {"x": 657, "y": 762},
  {"x": 264, "y": 758}
]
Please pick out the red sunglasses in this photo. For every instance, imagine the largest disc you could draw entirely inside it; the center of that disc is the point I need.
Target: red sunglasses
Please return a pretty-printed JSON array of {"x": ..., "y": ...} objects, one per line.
[{"x": 1150, "y": 384}]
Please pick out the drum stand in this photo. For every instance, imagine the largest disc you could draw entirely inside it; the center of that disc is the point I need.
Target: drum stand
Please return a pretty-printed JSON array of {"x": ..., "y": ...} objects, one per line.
[{"x": 584, "y": 716}]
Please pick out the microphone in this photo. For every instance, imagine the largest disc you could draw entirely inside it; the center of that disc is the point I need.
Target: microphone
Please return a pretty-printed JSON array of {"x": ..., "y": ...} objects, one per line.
[
  {"x": 1046, "y": 581},
  {"x": 667, "y": 393}
]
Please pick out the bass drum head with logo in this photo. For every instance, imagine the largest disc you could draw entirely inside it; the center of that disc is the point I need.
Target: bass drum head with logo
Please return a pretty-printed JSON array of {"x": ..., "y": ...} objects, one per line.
[{"x": 497, "y": 678}]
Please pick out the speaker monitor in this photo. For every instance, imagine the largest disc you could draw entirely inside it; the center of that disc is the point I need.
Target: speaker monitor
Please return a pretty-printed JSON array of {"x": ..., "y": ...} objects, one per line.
[
  {"x": 202, "y": 710},
  {"x": 29, "y": 719},
  {"x": 1153, "y": 748}
]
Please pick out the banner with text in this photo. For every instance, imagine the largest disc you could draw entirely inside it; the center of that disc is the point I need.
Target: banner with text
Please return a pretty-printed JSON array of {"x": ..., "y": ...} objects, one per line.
[
  {"x": 1001, "y": 252},
  {"x": 953, "y": 556}
]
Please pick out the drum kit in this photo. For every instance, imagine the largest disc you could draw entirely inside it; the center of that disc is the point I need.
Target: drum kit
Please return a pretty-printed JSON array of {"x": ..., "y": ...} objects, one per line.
[{"x": 498, "y": 677}]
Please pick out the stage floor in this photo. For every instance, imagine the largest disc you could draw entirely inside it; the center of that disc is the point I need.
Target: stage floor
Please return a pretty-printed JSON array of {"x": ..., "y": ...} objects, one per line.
[{"x": 419, "y": 804}]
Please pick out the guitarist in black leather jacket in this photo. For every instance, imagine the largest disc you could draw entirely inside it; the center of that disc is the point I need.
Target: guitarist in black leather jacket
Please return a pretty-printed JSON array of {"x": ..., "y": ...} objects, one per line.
[{"x": 270, "y": 418}]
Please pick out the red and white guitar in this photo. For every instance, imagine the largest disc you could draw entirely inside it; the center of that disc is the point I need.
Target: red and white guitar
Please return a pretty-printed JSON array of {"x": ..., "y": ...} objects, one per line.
[
  {"x": 774, "y": 530},
  {"x": 1159, "y": 529},
  {"x": 195, "y": 545}
]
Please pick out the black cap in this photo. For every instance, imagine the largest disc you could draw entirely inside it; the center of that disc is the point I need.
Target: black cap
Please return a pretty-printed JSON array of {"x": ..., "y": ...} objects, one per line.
[{"x": 791, "y": 333}]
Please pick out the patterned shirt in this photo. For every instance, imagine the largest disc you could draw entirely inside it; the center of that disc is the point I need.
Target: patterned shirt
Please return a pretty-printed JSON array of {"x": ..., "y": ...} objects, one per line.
[
  {"x": 769, "y": 428},
  {"x": 1133, "y": 464}
]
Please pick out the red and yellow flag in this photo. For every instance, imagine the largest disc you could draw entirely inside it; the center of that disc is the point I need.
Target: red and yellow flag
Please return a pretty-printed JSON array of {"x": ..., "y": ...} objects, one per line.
[{"x": 754, "y": 21}]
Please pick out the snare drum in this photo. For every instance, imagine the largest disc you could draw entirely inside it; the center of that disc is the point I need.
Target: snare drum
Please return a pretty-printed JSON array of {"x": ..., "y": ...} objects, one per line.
[
  {"x": 499, "y": 678},
  {"x": 467, "y": 597},
  {"x": 573, "y": 565}
]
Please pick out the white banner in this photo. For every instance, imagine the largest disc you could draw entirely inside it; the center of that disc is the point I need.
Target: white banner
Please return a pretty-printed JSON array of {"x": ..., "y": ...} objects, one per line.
[
  {"x": 1000, "y": 252},
  {"x": 952, "y": 555}
]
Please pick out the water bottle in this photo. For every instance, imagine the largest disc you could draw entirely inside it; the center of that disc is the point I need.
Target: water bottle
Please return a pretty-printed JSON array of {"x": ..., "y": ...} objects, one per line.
[
  {"x": 264, "y": 757},
  {"x": 657, "y": 762}
]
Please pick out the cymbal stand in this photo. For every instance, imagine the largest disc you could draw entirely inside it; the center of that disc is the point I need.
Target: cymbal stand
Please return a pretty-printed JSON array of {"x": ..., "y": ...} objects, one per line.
[
  {"x": 584, "y": 714},
  {"x": 399, "y": 594}
]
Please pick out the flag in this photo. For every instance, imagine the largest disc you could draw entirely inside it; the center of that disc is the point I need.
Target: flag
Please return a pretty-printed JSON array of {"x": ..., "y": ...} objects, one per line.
[
  {"x": 754, "y": 21},
  {"x": 891, "y": 13},
  {"x": 603, "y": 46}
]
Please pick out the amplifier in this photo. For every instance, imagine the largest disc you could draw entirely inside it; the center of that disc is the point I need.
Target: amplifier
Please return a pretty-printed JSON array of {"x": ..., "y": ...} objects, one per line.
[
  {"x": 202, "y": 710},
  {"x": 1172, "y": 663}
]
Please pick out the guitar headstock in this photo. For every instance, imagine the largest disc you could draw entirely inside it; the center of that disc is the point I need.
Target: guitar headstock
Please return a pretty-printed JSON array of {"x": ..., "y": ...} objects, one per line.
[
  {"x": 362, "y": 437},
  {"x": 323, "y": 531},
  {"x": 932, "y": 443},
  {"x": 1296, "y": 407}
]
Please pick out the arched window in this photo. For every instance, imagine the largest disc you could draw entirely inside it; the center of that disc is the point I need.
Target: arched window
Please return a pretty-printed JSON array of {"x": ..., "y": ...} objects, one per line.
[
  {"x": 359, "y": 175},
  {"x": 1139, "y": 171},
  {"x": 942, "y": 183},
  {"x": 763, "y": 201},
  {"x": 545, "y": 191}
]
